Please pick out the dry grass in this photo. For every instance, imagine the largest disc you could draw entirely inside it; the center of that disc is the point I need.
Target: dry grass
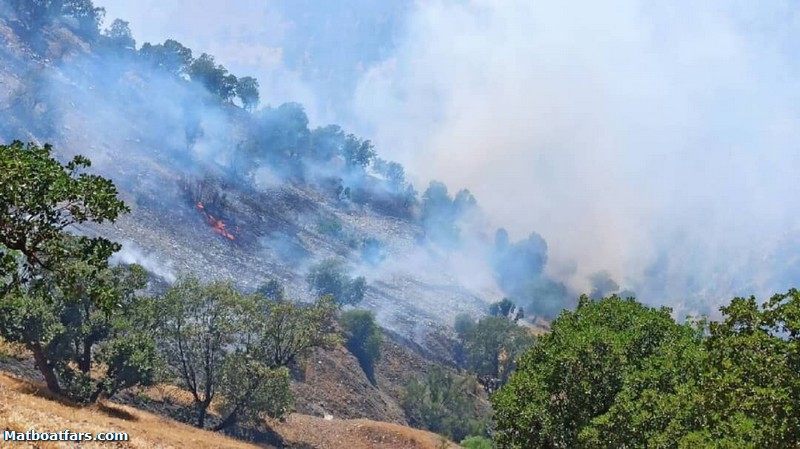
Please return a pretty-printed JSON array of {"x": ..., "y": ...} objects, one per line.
[
  {"x": 26, "y": 405},
  {"x": 12, "y": 350},
  {"x": 356, "y": 434}
]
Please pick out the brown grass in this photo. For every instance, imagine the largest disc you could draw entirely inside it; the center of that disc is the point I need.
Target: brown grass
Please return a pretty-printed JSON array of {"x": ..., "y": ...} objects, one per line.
[
  {"x": 26, "y": 405},
  {"x": 356, "y": 434}
]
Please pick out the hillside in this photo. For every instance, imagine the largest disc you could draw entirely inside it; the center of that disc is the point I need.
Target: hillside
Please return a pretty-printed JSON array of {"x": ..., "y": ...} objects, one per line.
[
  {"x": 184, "y": 191},
  {"x": 25, "y": 405},
  {"x": 335, "y": 405}
]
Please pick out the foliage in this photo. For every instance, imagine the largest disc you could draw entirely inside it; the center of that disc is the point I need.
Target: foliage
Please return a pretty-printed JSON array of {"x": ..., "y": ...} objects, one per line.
[
  {"x": 220, "y": 342},
  {"x": 329, "y": 278},
  {"x": 199, "y": 323},
  {"x": 247, "y": 91},
  {"x": 519, "y": 270},
  {"x": 364, "y": 339},
  {"x": 81, "y": 350},
  {"x": 170, "y": 57},
  {"x": 477, "y": 442},
  {"x": 440, "y": 213},
  {"x": 357, "y": 152},
  {"x": 444, "y": 403},
  {"x": 39, "y": 199},
  {"x": 507, "y": 309},
  {"x": 491, "y": 346},
  {"x": 32, "y": 15},
  {"x": 272, "y": 290},
  {"x": 292, "y": 330},
  {"x": 120, "y": 36},
  {"x": 215, "y": 78},
  {"x": 615, "y": 373}
]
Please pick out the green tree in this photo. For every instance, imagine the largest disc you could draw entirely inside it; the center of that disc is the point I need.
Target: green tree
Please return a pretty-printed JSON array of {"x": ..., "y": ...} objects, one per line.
[
  {"x": 56, "y": 316},
  {"x": 222, "y": 345},
  {"x": 364, "y": 339},
  {"x": 120, "y": 36},
  {"x": 573, "y": 375},
  {"x": 215, "y": 78},
  {"x": 493, "y": 345},
  {"x": 272, "y": 290},
  {"x": 292, "y": 330},
  {"x": 247, "y": 91},
  {"x": 729, "y": 384},
  {"x": 171, "y": 57},
  {"x": 477, "y": 442},
  {"x": 329, "y": 278},
  {"x": 445, "y": 403},
  {"x": 357, "y": 153},
  {"x": 39, "y": 199},
  {"x": 200, "y": 322}
]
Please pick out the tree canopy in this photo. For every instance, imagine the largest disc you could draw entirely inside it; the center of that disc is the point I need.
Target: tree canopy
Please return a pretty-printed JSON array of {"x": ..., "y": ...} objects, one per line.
[
  {"x": 39, "y": 200},
  {"x": 615, "y": 373}
]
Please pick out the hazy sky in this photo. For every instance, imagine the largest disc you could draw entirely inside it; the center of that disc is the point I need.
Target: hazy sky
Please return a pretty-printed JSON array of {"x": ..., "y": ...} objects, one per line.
[{"x": 657, "y": 140}]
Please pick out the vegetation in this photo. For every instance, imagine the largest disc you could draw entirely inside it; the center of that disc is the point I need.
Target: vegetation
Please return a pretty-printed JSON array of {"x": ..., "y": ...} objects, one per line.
[
  {"x": 440, "y": 213},
  {"x": 218, "y": 341},
  {"x": 39, "y": 199},
  {"x": 616, "y": 373},
  {"x": 491, "y": 346},
  {"x": 81, "y": 350},
  {"x": 364, "y": 339},
  {"x": 445, "y": 403},
  {"x": 329, "y": 278}
]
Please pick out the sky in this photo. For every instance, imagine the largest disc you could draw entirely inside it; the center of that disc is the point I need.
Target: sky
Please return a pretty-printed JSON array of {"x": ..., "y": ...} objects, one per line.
[{"x": 656, "y": 140}]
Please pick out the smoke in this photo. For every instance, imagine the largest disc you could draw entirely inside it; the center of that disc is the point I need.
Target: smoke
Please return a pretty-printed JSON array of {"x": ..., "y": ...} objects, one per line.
[
  {"x": 653, "y": 141},
  {"x": 132, "y": 253}
]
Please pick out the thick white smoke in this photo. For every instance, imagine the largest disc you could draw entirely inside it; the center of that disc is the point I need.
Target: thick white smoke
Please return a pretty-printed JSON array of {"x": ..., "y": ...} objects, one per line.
[{"x": 655, "y": 140}]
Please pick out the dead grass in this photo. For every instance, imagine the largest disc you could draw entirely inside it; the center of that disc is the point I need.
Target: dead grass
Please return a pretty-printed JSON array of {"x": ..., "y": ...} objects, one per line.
[
  {"x": 356, "y": 434},
  {"x": 26, "y": 405},
  {"x": 12, "y": 350}
]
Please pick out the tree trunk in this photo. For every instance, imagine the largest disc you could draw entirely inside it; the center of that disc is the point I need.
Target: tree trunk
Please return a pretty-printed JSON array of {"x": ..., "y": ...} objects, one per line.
[
  {"x": 85, "y": 360},
  {"x": 202, "y": 411},
  {"x": 45, "y": 368},
  {"x": 228, "y": 421}
]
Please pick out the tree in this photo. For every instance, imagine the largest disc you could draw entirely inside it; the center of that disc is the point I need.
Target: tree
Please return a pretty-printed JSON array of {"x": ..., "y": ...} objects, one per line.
[
  {"x": 444, "y": 403},
  {"x": 506, "y": 309},
  {"x": 292, "y": 330},
  {"x": 272, "y": 290},
  {"x": 88, "y": 16},
  {"x": 477, "y": 442},
  {"x": 364, "y": 339},
  {"x": 493, "y": 345},
  {"x": 328, "y": 278},
  {"x": 573, "y": 375},
  {"x": 223, "y": 345},
  {"x": 327, "y": 142},
  {"x": 200, "y": 322},
  {"x": 83, "y": 351},
  {"x": 729, "y": 384},
  {"x": 247, "y": 91},
  {"x": 171, "y": 57},
  {"x": 39, "y": 200},
  {"x": 120, "y": 36},
  {"x": 215, "y": 78},
  {"x": 357, "y": 153}
]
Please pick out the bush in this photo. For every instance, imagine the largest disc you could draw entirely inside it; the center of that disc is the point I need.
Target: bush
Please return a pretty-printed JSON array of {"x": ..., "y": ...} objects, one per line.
[
  {"x": 328, "y": 278},
  {"x": 446, "y": 404},
  {"x": 364, "y": 339},
  {"x": 477, "y": 442}
]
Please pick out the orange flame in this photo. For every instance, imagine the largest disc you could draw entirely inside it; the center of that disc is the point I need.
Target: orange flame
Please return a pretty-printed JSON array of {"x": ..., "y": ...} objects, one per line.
[{"x": 217, "y": 226}]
